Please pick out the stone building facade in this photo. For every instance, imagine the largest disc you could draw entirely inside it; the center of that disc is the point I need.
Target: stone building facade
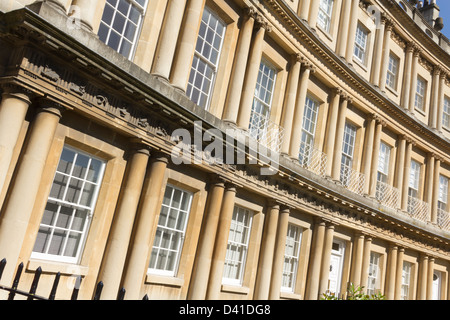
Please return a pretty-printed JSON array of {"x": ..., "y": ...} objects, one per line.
[{"x": 226, "y": 149}]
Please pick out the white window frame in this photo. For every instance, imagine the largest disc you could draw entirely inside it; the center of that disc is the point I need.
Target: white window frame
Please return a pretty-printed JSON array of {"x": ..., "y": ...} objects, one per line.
[
  {"x": 309, "y": 125},
  {"x": 373, "y": 279},
  {"x": 446, "y": 113},
  {"x": 348, "y": 148},
  {"x": 421, "y": 88},
  {"x": 157, "y": 248},
  {"x": 63, "y": 202},
  {"x": 198, "y": 78},
  {"x": 137, "y": 4},
  {"x": 325, "y": 14},
  {"x": 383, "y": 162},
  {"x": 231, "y": 260},
  {"x": 414, "y": 179},
  {"x": 361, "y": 44},
  {"x": 291, "y": 257},
  {"x": 392, "y": 72},
  {"x": 443, "y": 193},
  {"x": 406, "y": 280}
]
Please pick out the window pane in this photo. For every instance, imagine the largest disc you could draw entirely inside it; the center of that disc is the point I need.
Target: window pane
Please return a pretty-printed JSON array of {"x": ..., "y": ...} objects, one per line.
[{"x": 63, "y": 223}]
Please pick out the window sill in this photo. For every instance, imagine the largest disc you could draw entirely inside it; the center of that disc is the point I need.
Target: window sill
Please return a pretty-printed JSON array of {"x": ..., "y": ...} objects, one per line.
[
  {"x": 235, "y": 289},
  {"x": 391, "y": 90},
  {"x": 360, "y": 64},
  {"x": 325, "y": 33},
  {"x": 421, "y": 112},
  {"x": 55, "y": 267},
  {"x": 164, "y": 280},
  {"x": 290, "y": 295}
]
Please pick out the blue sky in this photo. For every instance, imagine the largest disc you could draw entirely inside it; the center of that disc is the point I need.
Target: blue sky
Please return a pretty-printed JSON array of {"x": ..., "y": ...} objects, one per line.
[{"x": 444, "y": 5}]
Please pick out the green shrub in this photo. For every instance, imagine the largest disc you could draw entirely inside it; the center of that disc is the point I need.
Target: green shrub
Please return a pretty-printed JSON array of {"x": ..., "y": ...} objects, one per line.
[{"x": 353, "y": 293}]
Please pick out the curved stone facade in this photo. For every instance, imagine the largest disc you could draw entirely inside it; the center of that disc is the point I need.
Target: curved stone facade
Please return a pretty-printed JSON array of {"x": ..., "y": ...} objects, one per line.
[{"x": 226, "y": 149}]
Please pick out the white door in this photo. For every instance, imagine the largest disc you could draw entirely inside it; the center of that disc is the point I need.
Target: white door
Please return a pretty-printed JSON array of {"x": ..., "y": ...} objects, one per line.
[
  {"x": 436, "y": 286},
  {"x": 336, "y": 262}
]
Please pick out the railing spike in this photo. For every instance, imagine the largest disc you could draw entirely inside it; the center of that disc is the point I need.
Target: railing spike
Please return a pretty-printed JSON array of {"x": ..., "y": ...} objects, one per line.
[
  {"x": 2, "y": 266},
  {"x": 76, "y": 288},
  {"x": 121, "y": 294},
  {"x": 16, "y": 281},
  {"x": 34, "y": 284},
  {"x": 145, "y": 297},
  {"x": 98, "y": 291},
  {"x": 54, "y": 287}
]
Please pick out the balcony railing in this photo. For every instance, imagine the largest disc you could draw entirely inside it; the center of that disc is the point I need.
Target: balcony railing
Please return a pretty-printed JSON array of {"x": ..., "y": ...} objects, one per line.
[
  {"x": 443, "y": 219},
  {"x": 352, "y": 180},
  {"x": 387, "y": 195},
  {"x": 312, "y": 159},
  {"x": 266, "y": 132},
  {"x": 418, "y": 209}
]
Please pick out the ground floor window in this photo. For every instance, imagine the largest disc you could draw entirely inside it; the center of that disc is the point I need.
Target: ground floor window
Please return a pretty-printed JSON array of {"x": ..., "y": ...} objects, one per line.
[{"x": 69, "y": 207}]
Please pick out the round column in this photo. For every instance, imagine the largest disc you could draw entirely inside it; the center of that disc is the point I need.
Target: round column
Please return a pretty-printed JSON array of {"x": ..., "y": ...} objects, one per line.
[
  {"x": 237, "y": 75},
  {"x": 358, "y": 258},
  {"x": 423, "y": 278},
  {"x": 399, "y": 273},
  {"x": 406, "y": 87},
  {"x": 267, "y": 252},
  {"x": 312, "y": 286},
  {"x": 278, "y": 258},
  {"x": 326, "y": 256},
  {"x": 188, "y": 38},
  {"x": 331, "y": 128},
  {"x": 391, "y": 270},
  {"x": 336, "y": 168},
  {"x": 368, "y": 151},
  {"x": 201, "y": 271},
  {"x": 143, "y": 232},
  {"x": 165, "y": 50},
  {"x": 119, "y": 237},
  {"x": 289, "y": 104},
  {"x": 375, "y": 158},
  {"x": 221, "y": 241},
  {"x": 19, "y": 204},
  {"x": 13, "y": 109},
  {"x": 365, "y": 261},
  {"x": 87, "y": 12}
]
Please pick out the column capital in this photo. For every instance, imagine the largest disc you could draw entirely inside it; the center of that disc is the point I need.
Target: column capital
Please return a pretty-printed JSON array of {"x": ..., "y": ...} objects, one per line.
[
  {"x": 309, "y": 66},
  {"x": 51, "y": 106},
  {"x": 261, "y": 22},
  {"x": 299, "y": 57},
  {"x": 250, "y": 12},
  {"x": 17, "y": 91},
  {"x": 338, "y": 91},
  {"x": 217, "y": 180},
  {"x": 347, "y": 97},
  {"x": 411, "y": 46}
]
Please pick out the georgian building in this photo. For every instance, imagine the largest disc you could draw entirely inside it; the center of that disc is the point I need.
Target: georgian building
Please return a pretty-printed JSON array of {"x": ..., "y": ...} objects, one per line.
[{"x": 343, "y": 107}]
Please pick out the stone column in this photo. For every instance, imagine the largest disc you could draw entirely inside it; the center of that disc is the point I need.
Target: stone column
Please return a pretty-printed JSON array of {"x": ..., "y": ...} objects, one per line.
[
  {"x": 165, "y": 50},
  {"x": 278, "y": 258},
  {"x": 343, "y": 28},
  {"x": 304, "y": 9},
  {"x": 188, "y": 38},
  {"x": 116, "y": 250},
  {"x": 399, "y": 273},
  {"x": 200, "y": 273},
  {"x": 13, "y": 108},
  {"x": 143, "y": 233},
  {"x": 391, "y": 270},
  {"x": 375, "y": 158},
  {"x": 24, "y": 187},
  {"x": 231, "y": 109},
  {"x": 297, "y": 121},
  {"x": 405, "y": 184},
  {"x": 221, "y": 241},
  {"x": 326, "y": 256},
  {"x": 429, "y": 180},
  {"x": 435, "y": 88},
  {"x": 422, "y": 278},
  {"x": 289, "y": 102},
  {"x": 378, "y": 52},
  {"x": 430, "y": 278},
  {"x": 400, "y": 166},
  {"x": 366, "y": 261},
  {"x": 442, "y": 77},
  {"x": 353, "y": 22},
  {"x": 386, "y": 52},
  {"x": 412, "y": 94},
  {"x": 355, "y": 277},
  {"x": 331, "y": 128},
  {"x": 407, "y": 75},
  {"x": 368, "y": 150},
  {"x": 312, "y": 285},
  {"x": 251, "y": 74},
  {"x": 313, "y": 14},
  {"x": 267, "y": 252},
  {"x": 434, "y": 199},
  {"x": 87, "y": 12},
  {"x": 62, "y": 5},
  {"x": 336, "y": 168}
]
